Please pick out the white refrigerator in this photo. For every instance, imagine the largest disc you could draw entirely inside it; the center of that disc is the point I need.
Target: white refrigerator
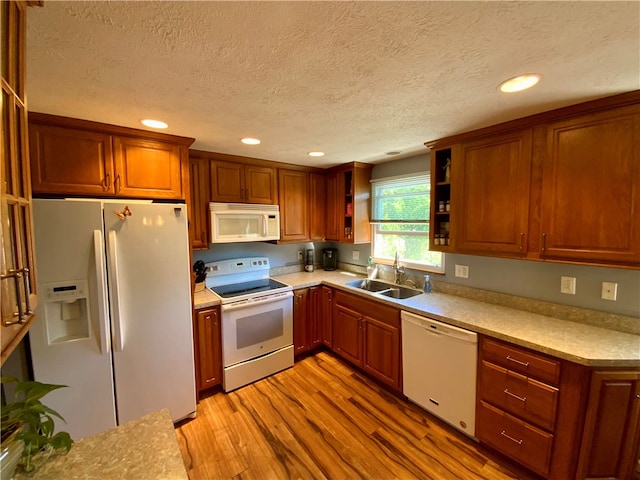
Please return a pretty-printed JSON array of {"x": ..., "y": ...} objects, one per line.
[{"x": 114, "y": 314}]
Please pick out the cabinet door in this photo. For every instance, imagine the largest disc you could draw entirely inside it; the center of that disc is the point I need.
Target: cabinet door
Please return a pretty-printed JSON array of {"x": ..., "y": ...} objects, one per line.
[
  {"x": 199, "y": 208},
  {"x": 590, "y": 207},
  {"x": 612, "y": 427},
  {"x": 293, "y": 191},
  {"x": 68, "y": 161},
  {"x": 491, "y": 194},
  {"x": 260, "y": 184},
  {"x": 347, "y": 334},
  {"x": 317, "y": 201},
  {"x": 17, "y": 268},
  {"x": 314, "y": 333},
  {"x": 147, "y": 168},
  {"x": 333, "y": 208},
  {"x": 209, "y": 348},
  {"x": 381, "y": 354},
  {"x": 300, "y": 320},
  {"x": 227, "y": 181},
  {"x": 326, "y": 315}
]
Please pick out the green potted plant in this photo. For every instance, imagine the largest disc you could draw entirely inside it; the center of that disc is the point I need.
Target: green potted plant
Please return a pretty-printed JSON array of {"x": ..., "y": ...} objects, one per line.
[{"x": 28, "y": 426}]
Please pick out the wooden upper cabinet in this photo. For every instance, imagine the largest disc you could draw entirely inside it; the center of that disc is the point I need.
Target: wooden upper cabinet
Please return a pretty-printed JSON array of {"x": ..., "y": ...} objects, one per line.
[
  {"x": 199, "y": 202},
  {"x": 317, "y": 200},
  {"x": 332, "y": 211},
  {"x": 236, "y": 182},
  {"x": 260, "y": 184},
  {"x": 68, "y": 161},
  {"x": 293, "y": 191},
  {"x": 590, "y": 199},
  {"x": 77, "y": 157},
  {"x": 562, "y": 185},
  {"x": 491, "y": 194},
  {"x": 147, "y": 168},
  {"x": 348, "y": 203}
]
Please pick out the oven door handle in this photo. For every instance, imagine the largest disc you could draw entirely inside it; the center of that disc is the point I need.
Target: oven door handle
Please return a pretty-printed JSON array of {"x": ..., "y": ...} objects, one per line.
[{"x": 259, "y": 301}]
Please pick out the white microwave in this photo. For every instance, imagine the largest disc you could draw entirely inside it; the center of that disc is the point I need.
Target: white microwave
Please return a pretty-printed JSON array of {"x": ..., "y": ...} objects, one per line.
[{"x": 244, "y": 222}]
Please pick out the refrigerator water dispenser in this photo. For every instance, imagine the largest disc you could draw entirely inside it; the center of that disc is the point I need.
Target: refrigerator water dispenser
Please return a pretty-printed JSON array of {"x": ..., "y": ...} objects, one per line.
[{"x": 66, "y": 311}]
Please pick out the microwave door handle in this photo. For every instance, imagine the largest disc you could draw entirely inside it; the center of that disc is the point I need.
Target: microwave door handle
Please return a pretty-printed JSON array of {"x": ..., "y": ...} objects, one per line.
[{"x": 264, "y": 225}]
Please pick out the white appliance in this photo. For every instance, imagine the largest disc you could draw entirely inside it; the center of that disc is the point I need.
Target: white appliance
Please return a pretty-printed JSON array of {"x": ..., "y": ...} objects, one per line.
[
  {"x": 242, "y": 222},
  {"x": 439, "y": 364},
  {"x": 114, "y": 317},
  {"x": 257, "y": 320}
]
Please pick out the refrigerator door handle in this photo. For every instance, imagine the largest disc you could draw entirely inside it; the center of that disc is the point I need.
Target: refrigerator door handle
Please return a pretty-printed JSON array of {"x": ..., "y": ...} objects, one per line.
[
  {"x": 115, "y": 294},
  {"x": 101, "y": 277}
]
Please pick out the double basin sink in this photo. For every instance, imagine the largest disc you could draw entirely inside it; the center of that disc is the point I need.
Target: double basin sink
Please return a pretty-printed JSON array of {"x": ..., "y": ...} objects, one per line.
[{"x": 383, "y": 288}]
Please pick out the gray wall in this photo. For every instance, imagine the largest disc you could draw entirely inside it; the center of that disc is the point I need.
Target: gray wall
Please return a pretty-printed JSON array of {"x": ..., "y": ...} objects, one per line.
[{"x": 537, "y": 280}]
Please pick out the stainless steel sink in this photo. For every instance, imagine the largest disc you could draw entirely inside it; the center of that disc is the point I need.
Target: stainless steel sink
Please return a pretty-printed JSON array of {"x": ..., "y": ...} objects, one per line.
[
  {"x": 370, "y": 285},
  {"x": 386, "y": 289},
  {"x": 400, "y": 292}
]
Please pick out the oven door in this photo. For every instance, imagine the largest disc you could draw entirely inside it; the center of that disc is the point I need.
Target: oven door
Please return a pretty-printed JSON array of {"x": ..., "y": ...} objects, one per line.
[{"x": 256, "y": 327}]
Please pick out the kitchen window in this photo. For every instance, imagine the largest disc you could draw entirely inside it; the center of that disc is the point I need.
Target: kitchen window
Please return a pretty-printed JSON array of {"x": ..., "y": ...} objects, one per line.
[{"x": 400, "y": 222}]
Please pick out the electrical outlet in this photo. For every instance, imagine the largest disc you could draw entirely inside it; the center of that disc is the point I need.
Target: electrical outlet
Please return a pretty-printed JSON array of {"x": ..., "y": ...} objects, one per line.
[
  {"x": 355, "y": 254},
  {"x": 462, "y": 271},
  {"x": 609, "y": 291},
  {"x": 300, "y": 255},
  {"x": 568, "y": 285}
]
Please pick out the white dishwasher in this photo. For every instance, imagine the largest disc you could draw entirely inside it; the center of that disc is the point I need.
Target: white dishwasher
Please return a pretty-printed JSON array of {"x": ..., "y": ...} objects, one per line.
[{"x": 439, "y": 364}]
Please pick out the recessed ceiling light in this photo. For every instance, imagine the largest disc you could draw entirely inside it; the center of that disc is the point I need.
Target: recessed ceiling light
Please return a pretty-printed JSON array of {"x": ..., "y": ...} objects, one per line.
[
  {"x": 394, "y": 152},
  {"x": 147, "y": 122},
  {"x": 521, "y": 82},
  {"x": 250, "y": 141},
  {"x": 316, "y": 154}
]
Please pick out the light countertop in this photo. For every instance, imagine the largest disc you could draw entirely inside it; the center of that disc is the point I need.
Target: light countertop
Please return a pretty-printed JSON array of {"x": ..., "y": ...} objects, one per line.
[
  {"x": 578, "y": 342},
  {"x": 141, "y": 449}
]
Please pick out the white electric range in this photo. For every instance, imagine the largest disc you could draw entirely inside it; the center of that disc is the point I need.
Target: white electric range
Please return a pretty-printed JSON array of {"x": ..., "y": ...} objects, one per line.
[{"x": 257, "y": 320}]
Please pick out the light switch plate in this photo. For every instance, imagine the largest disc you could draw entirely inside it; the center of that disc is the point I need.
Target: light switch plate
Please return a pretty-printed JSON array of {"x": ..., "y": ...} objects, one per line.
[
  {"x": 568, "y": 285},
  {"x": 462, "y": 271},
  {"x": 355, "y": 254},
  {"x": 609, "y": 291}
]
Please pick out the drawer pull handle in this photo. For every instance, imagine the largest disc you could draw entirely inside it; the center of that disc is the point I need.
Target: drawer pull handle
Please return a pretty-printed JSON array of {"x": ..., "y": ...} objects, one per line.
[
  {"x": 524, "y": 364},
  {"x": 522, "y": 399},
  {"x": 504, "y": 434}
]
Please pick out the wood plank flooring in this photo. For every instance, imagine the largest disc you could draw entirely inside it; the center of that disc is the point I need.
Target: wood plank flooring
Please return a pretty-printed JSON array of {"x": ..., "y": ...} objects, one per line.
[{"x": 323, "y": 420}]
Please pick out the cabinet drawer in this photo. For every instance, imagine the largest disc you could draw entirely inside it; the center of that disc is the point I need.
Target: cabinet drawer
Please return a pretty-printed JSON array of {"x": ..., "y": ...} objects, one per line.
[
  {"x": 370, "y": 308},
  {"x": 522, "y": 361},
  {"x": 514, "y": 438},
  {"x": 523, "y": 396}
]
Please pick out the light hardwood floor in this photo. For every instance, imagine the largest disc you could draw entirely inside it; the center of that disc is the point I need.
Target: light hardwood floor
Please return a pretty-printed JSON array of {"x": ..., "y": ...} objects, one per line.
[{"x": 323, "y": 420}]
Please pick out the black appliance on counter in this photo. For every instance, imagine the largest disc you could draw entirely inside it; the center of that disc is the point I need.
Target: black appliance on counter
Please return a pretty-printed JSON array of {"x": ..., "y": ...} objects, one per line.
[{"x": 330, "y": 258}]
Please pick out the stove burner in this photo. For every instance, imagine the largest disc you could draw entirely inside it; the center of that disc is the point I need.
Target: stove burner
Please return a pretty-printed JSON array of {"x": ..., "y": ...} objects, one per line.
[{"x": 245, "y": 288}]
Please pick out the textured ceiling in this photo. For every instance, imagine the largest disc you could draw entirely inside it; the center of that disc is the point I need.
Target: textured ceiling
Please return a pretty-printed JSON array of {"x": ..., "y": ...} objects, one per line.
[{"x": 353, "y": 79}]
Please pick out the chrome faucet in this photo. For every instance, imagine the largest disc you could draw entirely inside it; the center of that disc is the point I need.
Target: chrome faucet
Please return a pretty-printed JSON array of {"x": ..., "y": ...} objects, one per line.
[{"x": 398, "y": 270}]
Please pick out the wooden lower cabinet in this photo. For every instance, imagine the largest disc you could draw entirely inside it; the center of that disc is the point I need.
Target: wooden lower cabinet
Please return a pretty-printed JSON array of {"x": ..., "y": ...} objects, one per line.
[
  {"x": 367, "y": 334},
  {"x": 326, "y": 315},
  {"x": 307, "y": 331},
  {"x": 559, "y": 419},
  {"x": 208, "y": 348},
  {"x": 347, "y": 333},
  {"x": 612, "y": 426}
]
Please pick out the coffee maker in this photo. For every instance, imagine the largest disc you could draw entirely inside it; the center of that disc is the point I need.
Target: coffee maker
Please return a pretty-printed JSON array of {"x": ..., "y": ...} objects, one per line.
[{"x": 330, "y": 258}]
